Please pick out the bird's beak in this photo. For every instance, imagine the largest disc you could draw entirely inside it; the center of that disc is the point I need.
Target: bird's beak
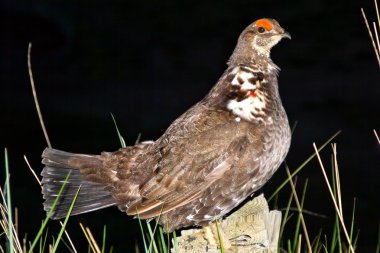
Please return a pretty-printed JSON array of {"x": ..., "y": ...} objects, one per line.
[{"x": 286, "y": 35}]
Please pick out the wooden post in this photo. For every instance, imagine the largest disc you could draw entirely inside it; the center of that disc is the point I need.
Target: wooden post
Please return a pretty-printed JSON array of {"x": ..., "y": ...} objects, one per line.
[{"x": 251, "y": 229}]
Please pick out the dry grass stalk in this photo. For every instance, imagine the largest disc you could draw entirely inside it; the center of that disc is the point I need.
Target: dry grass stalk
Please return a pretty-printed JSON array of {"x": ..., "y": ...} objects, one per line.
[
  {"x": 35, "y": 96},
  {"x": 337, "y": 178},
  {"x": 43, "y": 129},
  {"x": 377, "y": 136},
  {"x": 337, "y": 208},
  {"x": 5, "y": 225},
  {"x": 299, "y": 243},
  {"x": 300, "y": 211},
  {"x": 32, "y": 170},
  {"x": 90, "y": 238},
  {"x": 374, "y": 40}
]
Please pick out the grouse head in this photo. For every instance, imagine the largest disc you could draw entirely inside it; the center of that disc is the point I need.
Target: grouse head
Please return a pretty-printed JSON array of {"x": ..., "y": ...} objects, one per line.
[{"x": 256, "y": 41}]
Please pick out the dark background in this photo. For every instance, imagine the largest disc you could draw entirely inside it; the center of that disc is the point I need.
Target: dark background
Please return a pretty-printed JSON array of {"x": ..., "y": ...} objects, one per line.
[{"x": 148, "y": 61}]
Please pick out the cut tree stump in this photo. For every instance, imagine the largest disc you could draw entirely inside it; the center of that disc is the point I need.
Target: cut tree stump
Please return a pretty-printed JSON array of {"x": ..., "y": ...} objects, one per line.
[{"x": 252, "y": 228}]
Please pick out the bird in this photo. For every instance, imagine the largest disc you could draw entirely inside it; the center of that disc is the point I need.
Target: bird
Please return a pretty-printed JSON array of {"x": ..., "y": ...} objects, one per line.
[{"x": 209, "y": 160}]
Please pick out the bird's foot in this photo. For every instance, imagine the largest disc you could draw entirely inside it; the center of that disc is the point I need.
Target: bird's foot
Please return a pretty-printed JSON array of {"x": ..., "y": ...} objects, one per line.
[{"x": 215, "y": 237}]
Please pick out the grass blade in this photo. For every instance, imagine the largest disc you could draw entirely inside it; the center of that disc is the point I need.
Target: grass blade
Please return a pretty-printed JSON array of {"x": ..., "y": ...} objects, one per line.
[
  {"x": 44, "y": 241},
  {"x": 142, "y": 233},
  {"x": 8, "y": 199},
  {"x": 289, "y": 247},
  {"x": 356, "y": 238},
  {"x": 296, "y": 234},
  {"x": 335, "y": 234},
  {"x": 300, "y": 210},
  {"x": 90, "y": 238},
  {"x": 121, "y": 139},
  {"x": 377, "y": 136},
  {"x": 338, "y": 211},
  {"x": 217, "y": 224},
  {"x": 285, "y": 218},
  {"x": 152, "y": 239},
  {"x": 49, "y": 214},
  {"x": 104, "y": 238},
  {"x": 35, "y": 96},
  {"x": 66, "y": 220},
  {"x": 168, "y": 237},
  {"x": 175, "y": 242},
  {"x": 316, "y": 242},
  {"x": 335, "y": 240},
  {"x": 352, "y": 220},
  {"x": 371, "y": 36},
  {"x": 162, "y": 239}
]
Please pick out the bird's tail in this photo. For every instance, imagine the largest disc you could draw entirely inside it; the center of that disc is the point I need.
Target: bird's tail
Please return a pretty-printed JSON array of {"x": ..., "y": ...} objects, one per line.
[{"x": 92, "y": 196}]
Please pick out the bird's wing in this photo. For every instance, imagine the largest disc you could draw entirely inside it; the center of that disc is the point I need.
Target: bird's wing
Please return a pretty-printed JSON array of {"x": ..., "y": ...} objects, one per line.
[{"x": 189, "y": 165}]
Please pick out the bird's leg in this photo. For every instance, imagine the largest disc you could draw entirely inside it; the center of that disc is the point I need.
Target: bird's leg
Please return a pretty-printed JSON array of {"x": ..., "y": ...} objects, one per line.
[
  {"x": 209, "y": 236},
  {"x": 216, "y": 237}
]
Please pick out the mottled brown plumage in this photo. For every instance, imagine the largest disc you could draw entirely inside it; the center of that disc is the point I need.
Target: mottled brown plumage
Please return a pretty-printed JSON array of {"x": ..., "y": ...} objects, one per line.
[{"x": 209, "y": 160}]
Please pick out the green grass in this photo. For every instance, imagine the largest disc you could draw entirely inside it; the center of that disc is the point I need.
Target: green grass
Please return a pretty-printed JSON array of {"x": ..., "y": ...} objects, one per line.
[
  {"x": 9, "y": 204},
  {"x": 49, "y": 214},
  {"x": 14, "y": 242},
  {"x": 156, "y": 241}
]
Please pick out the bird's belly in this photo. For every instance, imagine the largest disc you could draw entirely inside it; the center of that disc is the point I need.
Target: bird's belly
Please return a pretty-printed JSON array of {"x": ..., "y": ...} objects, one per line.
[{"x": 235, "y": 186}]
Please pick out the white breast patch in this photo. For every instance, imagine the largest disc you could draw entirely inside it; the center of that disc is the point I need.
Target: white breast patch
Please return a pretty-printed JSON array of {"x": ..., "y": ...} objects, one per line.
[
  {"x": 248, "y": 107},
  {"x": 252, "y": 106}
]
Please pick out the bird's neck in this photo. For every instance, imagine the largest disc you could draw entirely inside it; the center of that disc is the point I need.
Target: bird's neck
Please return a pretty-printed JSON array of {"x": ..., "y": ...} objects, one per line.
[{"x": 254, "y": 58}]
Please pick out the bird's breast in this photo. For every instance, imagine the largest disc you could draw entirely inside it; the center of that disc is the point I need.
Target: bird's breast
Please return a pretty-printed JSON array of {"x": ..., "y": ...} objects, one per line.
[{"x": 252, "y": 108}]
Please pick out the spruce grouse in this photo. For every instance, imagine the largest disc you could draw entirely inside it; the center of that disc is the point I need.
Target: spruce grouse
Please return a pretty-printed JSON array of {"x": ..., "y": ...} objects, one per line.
[{"x": 209, "y": 160}]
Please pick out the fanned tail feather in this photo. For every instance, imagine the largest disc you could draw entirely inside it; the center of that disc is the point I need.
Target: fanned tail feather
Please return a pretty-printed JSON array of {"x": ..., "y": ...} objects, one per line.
[{"x": 92, "y": 196}]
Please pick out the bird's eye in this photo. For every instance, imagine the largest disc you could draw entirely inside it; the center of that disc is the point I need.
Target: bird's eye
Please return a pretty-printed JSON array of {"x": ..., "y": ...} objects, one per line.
[{"x": 261, "y": 29}]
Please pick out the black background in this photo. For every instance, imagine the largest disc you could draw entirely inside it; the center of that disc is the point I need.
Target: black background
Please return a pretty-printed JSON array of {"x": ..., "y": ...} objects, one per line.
[{"x": 148, "y": 61}]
